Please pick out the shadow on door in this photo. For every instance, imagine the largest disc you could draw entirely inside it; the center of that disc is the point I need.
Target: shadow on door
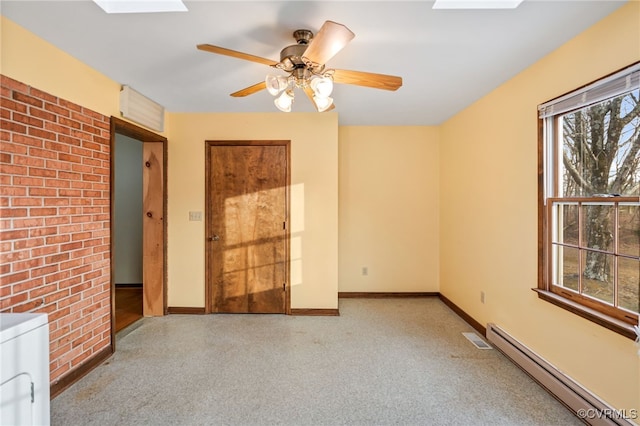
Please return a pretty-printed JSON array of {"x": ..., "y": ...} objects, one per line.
[{"x": 247, "y": 211}]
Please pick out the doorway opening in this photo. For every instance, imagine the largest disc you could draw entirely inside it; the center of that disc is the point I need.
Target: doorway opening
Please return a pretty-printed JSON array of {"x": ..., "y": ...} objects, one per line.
[
  {"x": 138, "y": 225},
  {"x": 127, "y": 232}
]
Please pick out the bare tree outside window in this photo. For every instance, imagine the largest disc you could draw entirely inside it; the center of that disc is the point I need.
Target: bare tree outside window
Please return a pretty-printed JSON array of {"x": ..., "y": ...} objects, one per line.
[
  {"x": 589, "y": 201},
  {"x": 600, "y": 151}
]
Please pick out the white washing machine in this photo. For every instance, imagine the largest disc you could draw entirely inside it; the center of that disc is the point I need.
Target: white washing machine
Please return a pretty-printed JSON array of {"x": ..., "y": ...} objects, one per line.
[{"x": 24, "y": 369}]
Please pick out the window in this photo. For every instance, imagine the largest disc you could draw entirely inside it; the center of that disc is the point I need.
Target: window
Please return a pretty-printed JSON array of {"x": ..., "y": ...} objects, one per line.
[{"x": 589, "y": 203}]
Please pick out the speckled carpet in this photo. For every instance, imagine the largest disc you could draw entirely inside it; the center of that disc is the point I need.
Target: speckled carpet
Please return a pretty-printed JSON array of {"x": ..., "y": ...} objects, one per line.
[{"x": 381, "y": 362}]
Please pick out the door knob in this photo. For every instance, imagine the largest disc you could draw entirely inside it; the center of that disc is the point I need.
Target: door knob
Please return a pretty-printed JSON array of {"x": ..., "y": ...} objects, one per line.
[{"x": 214, "y": 238}]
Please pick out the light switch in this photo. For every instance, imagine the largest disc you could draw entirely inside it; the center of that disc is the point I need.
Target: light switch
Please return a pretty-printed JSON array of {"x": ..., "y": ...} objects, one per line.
[{"x": 195, "y": 216}]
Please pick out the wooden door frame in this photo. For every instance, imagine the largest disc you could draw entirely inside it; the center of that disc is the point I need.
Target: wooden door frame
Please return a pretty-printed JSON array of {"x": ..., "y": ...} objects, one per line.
[
  {"x": 208, "y": 214},
  {"x": 122, "y": 127}
]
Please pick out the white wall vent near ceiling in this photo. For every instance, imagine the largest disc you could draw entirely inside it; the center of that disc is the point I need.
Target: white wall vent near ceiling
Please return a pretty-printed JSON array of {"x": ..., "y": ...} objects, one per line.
[{"x": 142, "y": 110}]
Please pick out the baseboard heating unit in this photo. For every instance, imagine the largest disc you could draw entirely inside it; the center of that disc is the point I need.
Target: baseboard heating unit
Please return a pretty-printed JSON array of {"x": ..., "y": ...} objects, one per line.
[{"x": 581, "y": 401}]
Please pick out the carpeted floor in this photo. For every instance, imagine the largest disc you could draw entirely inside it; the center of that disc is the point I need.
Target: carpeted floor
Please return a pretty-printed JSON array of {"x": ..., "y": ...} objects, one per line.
[{"x": 382, "y": 362}]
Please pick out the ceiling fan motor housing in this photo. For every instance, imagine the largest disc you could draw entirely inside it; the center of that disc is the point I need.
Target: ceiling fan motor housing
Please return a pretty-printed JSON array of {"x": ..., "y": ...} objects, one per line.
[{"x": 291, "y": 56}]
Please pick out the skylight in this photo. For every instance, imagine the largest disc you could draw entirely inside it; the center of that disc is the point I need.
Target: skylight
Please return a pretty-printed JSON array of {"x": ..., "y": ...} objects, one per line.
[
  {"x": 476, "y": 4},
  {"x": 141, "y": 6}
]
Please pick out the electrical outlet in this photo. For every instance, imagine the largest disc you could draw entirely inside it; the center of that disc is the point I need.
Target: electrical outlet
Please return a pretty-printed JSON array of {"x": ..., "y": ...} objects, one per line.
[
  {"x": 365, "y": 270},
  {"x": 195, "y": 216},
  {"x": 482, "y": 297}
]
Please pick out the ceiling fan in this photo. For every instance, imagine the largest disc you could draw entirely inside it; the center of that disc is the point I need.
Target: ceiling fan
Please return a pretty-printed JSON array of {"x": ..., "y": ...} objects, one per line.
[{"x": 305, "y": 65}]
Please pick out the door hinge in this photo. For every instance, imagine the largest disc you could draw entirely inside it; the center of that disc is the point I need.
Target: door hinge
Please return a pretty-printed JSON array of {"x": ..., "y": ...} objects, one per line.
[
  {"x": 284, "y": 225},
  {"x": 284, "y": 286},
  {"x": 33, "y": 394}
]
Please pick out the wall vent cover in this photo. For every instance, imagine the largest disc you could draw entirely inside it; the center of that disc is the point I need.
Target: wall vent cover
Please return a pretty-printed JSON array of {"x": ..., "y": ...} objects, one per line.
[{"x": 136, "y": 107}]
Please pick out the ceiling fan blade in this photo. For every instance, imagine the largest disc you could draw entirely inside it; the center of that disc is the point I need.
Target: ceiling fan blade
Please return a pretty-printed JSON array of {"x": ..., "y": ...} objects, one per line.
[
  {"x": 235, "y": 54},
  {"x": 367, "y": 79},
  {"x": 309, "y": 92},
  {"x": 331, "y": 39},
  {"x": 250, "y": 90}
]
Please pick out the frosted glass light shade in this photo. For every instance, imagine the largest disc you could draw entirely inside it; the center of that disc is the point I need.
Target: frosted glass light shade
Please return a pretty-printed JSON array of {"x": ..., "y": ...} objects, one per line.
[
  {"x": 284, "y": 101},
  {"x": 275, "y": 84},
  {"x": 323, "y": 103},
  {"x": 322, "y": 86}
]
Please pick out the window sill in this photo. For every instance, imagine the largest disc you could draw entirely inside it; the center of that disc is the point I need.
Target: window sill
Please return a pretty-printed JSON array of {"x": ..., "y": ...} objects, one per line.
[{"x": 592, "y": 315}]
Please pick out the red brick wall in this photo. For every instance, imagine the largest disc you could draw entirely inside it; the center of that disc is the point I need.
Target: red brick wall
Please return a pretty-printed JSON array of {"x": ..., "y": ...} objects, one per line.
[{"x": 54, "y": 220}]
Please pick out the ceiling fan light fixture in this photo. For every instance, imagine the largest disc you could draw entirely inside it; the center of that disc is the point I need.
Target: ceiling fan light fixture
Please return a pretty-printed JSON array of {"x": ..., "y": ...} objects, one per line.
[
  {"x": 305, "y": 64},
  {"x": 275, "y": 84},
  {"x": 284, "y": 101},
  {"x": 322, "y": 103},
  {"x": 322, "y": 86}
]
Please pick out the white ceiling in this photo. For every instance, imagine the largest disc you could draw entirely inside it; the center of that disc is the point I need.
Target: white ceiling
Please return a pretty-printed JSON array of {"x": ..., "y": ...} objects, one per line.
[{"x": 447, "y": 58}]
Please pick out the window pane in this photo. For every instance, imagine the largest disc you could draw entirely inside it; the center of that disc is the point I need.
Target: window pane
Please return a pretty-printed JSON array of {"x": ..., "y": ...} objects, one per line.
[
  {"x": 566, "y": 264},
  {"x": 597, "y": 275},
  {"x": 629, "y": 230},
  {"x": 600, "y": 149},
  {"x": 629, "y": 284},
  {"x": 597, "y": 228},
  {"x": 590, "y": 167},
  {"x": 567, "y": 229}
]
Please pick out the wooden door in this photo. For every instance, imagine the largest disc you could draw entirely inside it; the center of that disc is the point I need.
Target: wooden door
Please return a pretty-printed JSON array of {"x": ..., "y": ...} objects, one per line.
[
  {"x": 247, "y": 236},
  {"x": 153, "y": 229}
]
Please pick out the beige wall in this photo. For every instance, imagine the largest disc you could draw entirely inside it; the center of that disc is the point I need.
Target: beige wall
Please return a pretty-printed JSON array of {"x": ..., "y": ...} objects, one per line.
[
  {"x": 33, "y": 61},
  {"x": 388, "y": 209},
  {"x": 488, "y": 219},
  {"x": 314, "y": 200}
]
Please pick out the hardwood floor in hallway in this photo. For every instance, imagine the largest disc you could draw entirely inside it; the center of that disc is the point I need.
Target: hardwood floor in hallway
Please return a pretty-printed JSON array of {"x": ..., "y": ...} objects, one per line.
[{"x": 128, "y": 306}]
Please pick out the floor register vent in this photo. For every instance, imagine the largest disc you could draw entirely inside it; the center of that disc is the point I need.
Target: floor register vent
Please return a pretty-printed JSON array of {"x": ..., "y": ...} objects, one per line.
[
  {"x": 477, "y": 341},
  {"x": 580, "y": 400}
]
